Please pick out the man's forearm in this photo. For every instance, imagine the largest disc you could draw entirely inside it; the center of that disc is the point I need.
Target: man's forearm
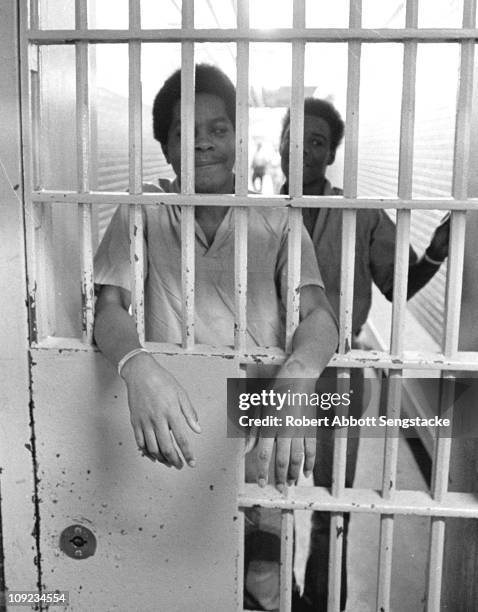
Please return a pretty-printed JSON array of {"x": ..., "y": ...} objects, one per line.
[
  {"x": 314, "y": 344},
  {"x": 115, "y": 332},
  {"x": 419, "y": 274}
]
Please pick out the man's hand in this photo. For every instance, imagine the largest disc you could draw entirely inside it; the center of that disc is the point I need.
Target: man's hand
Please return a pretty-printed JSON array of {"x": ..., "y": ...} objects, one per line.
[
  {"x": 314, "y": 343},
  {"x": 438, "y": 247},
  {"x": 159, "y": 406},
  {"x": 290, "y": 452}
]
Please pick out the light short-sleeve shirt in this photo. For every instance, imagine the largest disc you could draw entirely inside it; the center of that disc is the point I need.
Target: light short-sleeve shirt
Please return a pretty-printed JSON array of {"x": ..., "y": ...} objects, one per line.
[{"x": 214, "y": 268}]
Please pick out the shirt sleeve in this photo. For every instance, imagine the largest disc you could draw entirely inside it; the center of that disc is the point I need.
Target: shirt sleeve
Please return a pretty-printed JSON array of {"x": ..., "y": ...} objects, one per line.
[
  {"x": 309, "y": 268},
  {"x": 112, "y": 260},
  {"x": 382, "y": 252}
]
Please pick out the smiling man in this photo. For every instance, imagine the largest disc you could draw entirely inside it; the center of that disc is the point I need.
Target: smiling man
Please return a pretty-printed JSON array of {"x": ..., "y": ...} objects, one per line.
[{"x": 162, "y": 415}]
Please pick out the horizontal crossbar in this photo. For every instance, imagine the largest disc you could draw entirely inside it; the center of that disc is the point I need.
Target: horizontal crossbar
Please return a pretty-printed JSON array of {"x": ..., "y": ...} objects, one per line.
[
  {"x": 161, "y": 199},
  {"x": 370, "y": 35},
  {"x": 411, "y": 360},
  {"x": 418, "y": 503}
]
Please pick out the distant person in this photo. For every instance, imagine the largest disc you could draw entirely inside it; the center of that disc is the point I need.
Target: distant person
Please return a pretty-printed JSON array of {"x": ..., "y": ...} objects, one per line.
[
  {"x": 374, "y": 263},
  {"x": 260, "y": 163}
]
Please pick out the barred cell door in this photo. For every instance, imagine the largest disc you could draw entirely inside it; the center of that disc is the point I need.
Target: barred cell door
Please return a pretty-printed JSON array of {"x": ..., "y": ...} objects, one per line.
[{"x": 82, "y": 510}]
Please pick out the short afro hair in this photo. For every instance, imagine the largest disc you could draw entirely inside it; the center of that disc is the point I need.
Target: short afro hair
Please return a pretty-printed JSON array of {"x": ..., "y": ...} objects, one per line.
[
  {"x": 324, "y": 110},
  {"x": 209, "y": 79}
]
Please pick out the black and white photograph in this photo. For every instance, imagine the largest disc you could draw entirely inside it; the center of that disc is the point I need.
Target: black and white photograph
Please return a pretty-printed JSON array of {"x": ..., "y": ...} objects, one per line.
[{"x": 239, "y": 286}]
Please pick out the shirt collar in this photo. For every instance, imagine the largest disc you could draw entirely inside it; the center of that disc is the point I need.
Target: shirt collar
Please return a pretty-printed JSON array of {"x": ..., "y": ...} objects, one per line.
[{"x": 326, "y": 191}]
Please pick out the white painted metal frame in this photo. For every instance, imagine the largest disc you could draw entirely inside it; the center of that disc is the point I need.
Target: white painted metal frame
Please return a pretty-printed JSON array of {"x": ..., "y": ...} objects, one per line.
[
  {"x": 389, "y": 501},
  {"x": 136, "y": 171},
  {"x": 83, "y": 167},
  {"x": 187, "y": 175}
]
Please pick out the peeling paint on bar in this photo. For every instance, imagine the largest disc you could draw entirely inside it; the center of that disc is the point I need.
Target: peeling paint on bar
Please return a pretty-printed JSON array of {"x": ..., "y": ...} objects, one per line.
[
  {"x": 403, "y": 502},
  {"x": 32, "y": 314},
  {"x": 279, "y": 201},
  {"x": 412, "y": 360}
]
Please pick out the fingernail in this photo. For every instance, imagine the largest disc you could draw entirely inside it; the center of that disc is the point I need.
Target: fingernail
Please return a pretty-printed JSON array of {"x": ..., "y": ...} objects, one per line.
[
  {"x": 290, "y": 482},
  {"x": 307, "y": 473},
  {"x": 262, "y": 482},
  {"x": 192, "y": 463},
  {"x": 280, "y": 487},
  {"x": 198, "y": 427}
]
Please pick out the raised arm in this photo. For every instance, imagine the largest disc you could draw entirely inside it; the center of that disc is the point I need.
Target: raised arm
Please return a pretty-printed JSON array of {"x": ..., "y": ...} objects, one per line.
[
  {"x": 157, "y": 402},
  {"x": 314, "y": 343},
  {"x": 420, "y": 272}
]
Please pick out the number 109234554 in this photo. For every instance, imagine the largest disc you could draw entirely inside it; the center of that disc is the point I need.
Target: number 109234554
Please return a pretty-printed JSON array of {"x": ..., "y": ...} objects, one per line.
[{"x": 26, "y": 598}]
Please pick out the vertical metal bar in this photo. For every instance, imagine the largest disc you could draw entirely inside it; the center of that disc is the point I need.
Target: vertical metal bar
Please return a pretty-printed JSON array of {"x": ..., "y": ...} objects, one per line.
[
  {"x": 435, "y": 564},
  {"x": 350, "y": 181},
  {"x": 242, "y": 172},
  {"x": 400, "y": 281},
  {"x": 398, "y": 311},
  {"x": 384, "y": 578},
  {"x": 42, "y": 213},
  {"x": 293, "y": 263},
  {"x": 241, "y": 478},
  {"x": 42, "y": 244},
  {"x": 187, "y": 177},
  {"x": 136, "y": 170},
  {"x": 295, "y": 177},
  {"x": 83, "y": 166},
  {"x": 35, "y": 115},
  {"x": 346, "y": 299},
  {"x": 34, "y": 20},
  {"x": 352, "y": 112},
  {"x": 338, "y": 485},
  {"x": 286, "y": 560},
  {"x": 29, "y": 58},
  {"x": 454, "y": 282},
  {"x": 407, "y": 120},
  {"x": 460, "y": 183},
  {"x": 347, "y": 270}
]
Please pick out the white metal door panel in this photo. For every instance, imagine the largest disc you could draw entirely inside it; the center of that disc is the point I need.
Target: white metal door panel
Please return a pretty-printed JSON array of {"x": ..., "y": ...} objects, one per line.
[{"x": 175, "y": 532}]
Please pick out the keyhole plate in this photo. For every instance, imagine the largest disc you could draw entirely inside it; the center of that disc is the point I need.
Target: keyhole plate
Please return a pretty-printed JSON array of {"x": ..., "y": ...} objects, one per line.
[{"x": 78, "y": 542}]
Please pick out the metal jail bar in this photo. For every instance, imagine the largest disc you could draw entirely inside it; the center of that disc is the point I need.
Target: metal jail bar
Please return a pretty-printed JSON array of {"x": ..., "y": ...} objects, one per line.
[
  {"x": 390, "y": 501},
  {"x": 136, "y": 171},
  {"x": 242, "y": 171},
  {"x": 187, "y": 176},
  {"x": 441, "y": 463},
  {"x": 83, "y": 161},
  {"x": 293, "y": 264},
  {"x": 405, "y": 179}
]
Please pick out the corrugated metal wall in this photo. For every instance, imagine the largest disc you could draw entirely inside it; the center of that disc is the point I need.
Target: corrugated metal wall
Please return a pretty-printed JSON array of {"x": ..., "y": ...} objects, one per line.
[
  {"x": 378, "y": 176},
  {"x": 111, "y": 123}
]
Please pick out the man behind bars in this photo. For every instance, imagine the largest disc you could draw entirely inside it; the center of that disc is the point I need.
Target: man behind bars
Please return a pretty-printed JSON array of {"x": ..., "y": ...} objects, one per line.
[
  {"x": 162, "y": 415},
  {"x": 374, "y": 262}
]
